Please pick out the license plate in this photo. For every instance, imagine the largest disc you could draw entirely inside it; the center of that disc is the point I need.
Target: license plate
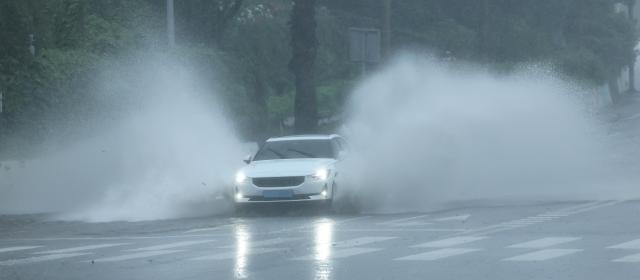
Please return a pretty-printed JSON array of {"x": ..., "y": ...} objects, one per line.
[{"x": 278, "y": 194}]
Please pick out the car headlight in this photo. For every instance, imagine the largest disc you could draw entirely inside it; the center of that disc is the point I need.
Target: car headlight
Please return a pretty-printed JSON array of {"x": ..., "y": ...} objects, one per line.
[
  {"x": 240, "y": 177},
  {"x": 321, "y": 174}
]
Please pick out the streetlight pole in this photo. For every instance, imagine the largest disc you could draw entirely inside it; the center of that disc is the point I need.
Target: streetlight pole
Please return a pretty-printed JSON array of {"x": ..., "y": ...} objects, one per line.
[{"x": 171, "y": 31}]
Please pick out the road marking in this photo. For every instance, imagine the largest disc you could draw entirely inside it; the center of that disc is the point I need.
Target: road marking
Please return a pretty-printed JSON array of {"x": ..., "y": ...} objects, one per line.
[
  {"x": 209, "y": 228},
  {"x": 82, "y": 248},
  {"x": 340, "y": 254},
  {"x": 17, "y": 248},
  {"x": 604, "y": 204},
  {"x": 631, "y": 258},
  {"x": 397, "y": 230},
  {"x": 139, "y": 255},
  {"x": 543, "y": 255},
  {"x": 267, "y": 242},
  {"x": 544, "y": 242},
  {"x": 404, "y": 221},
  {"x": 633, "y": 244},
  {"x": 460, "y": 218},
  {"x": 567, "y": 211},
  {"x": 41, "y": 258},
  {"x": 361, "y": 241},
  {"x": 235, "y": 254},
  {"x": 438, "y": 254},
  {"x": 171, "y": 245},
  {"x": 448, "y": 242}
]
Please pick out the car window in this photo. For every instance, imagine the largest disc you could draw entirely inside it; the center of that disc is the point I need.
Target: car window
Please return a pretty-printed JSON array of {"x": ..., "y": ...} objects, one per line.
[{"x": 295, "y": 149}]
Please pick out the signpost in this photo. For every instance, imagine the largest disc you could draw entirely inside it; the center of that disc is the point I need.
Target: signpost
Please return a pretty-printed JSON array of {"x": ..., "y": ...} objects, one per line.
[{"x": 364, "y": 46}]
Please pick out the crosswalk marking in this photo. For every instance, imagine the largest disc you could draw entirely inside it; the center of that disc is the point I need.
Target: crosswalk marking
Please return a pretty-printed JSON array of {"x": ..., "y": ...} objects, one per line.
[
  {"x": 82, "y": 248},
  {"x": 40, "y": 259},
  {"x": 267, "y": 242},
  {"x": 438, "y": 254},
  {"x": 453, "y": 241},
  {"x": 17, "y": 248},
  {"x": 631, "y": 258},
  {"x": 171, "y": 245},
  {"x": 139, "y": 255},
  {"x": 361, "y": 241},
  {"x": 341, "y": 253},
  {"x": 544, "y": 242},
  {"x": 633, "y": 244},
  {"x": 234, "y": 254},
  {"x": 542, "y": 255}
]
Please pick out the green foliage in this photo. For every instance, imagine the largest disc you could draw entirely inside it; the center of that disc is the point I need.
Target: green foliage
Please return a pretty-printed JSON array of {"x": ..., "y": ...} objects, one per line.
[{"x": 242, "y": 47}]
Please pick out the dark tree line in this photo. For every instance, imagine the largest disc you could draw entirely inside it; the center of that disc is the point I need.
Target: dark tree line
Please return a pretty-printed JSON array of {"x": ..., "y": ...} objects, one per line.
[{"x": 284, "y": 59}]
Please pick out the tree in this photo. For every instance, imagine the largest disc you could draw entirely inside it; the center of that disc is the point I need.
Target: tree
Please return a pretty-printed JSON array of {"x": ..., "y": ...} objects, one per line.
[
  {"x": 302, "y": 63},
  {"x": 631, "y": 4}
]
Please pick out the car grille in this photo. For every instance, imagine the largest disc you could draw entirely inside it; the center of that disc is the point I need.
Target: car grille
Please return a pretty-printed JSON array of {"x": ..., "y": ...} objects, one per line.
[{"x": 274, "y": 182}]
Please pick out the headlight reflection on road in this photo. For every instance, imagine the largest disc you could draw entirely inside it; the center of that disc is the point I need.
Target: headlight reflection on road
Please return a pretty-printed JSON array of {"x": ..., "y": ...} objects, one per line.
[
  {"x": 323, "y": 245},
  {"x": 243, "y": 245}
]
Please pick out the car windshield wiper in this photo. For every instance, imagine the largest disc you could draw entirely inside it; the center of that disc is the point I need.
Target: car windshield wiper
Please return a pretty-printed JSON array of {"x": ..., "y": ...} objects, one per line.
[
  {"x": 280, "y": 155},
  {"x": 303, "y": 153}
]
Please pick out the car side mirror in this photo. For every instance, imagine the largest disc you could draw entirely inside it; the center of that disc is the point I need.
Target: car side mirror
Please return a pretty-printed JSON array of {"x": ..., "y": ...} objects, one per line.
[{"x": 247, "y": 159}]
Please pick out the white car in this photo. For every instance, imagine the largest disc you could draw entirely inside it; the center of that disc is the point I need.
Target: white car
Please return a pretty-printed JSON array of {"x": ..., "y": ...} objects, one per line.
[{"x": 292, "y": 169}]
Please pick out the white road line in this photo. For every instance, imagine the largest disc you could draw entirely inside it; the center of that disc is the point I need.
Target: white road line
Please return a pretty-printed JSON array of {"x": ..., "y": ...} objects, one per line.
[
  {"x": 407, "y": 224},
  {"x": 17, "y": 248},
  {"x": 630, "y": 259},
  {"x": 459, "y": 218},
  {"x": 397, "y": 230},
  {"x": 266, "y": 243},
  {"x": 544, "y": 242},
  {"x": 208, "y": 228},
  {"x": 400, "y": 221},
  {"x": 605, "y": 204},
  {"x": 138, "y": 255},
  {"x": 438, "y": 254},
  {"x": 41, "y": 258},
  {"x": 504, "y": 226},
  {"x": 361, "y": 241},
  {"x": 171, "y": 245},
  {"x": 543, "y": 255},
  {"x": 340, "y": 254},
  {"x": 448, "y": 242},
  {"x": 82, "y": 248},
  {"x": 633, "y": 244},
  {"x": 234, "y": 254}
]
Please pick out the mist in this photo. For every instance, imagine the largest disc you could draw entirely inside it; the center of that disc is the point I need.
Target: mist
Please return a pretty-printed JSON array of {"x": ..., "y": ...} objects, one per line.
[
  {"x": 426, "y": 134},
  {"x": 158, "y": 146}
]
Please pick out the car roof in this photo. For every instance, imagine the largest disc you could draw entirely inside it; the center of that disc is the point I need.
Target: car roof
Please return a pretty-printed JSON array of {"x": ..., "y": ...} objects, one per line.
[{"x": 304, "y": 137}]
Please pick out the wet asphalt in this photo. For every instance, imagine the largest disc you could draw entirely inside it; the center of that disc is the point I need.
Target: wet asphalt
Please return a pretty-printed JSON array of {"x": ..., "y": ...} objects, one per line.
[{"x": 568, "y": 240}]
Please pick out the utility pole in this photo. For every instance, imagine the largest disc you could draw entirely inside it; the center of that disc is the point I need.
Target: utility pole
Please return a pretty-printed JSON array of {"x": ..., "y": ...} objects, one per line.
[
  {"x": 386, "y": 28},
  {"x": 171, "y": 31}
]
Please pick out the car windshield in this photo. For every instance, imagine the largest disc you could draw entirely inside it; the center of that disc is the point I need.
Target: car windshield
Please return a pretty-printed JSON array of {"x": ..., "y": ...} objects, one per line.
[{"x": 295, "y": 149}]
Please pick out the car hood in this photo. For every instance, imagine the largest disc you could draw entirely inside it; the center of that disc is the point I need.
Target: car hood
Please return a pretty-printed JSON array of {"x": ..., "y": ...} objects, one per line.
[{"x": 286, "y": 167}]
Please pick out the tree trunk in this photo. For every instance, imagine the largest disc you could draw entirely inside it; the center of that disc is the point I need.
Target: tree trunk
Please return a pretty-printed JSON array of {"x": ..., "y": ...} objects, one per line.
[
  {"x": 484, "y": 31},
  {"x": 632, "y": 75},
  {"x": 632, "y": 64},
  {"x": 304, "y": 48},
  {"x": 260, "y": 127},
  {"x": 614, "y": 89}
]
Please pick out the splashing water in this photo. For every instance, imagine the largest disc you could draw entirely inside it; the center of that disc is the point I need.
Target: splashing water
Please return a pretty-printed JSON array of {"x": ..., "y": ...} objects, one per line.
[
  {"x": 425, "y": 134},
  {"x": 169, "y": 153}
]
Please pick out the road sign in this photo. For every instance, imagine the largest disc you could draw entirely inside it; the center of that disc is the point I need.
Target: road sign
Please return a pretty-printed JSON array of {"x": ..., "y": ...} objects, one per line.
[{"x": 364, "y": 45}]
